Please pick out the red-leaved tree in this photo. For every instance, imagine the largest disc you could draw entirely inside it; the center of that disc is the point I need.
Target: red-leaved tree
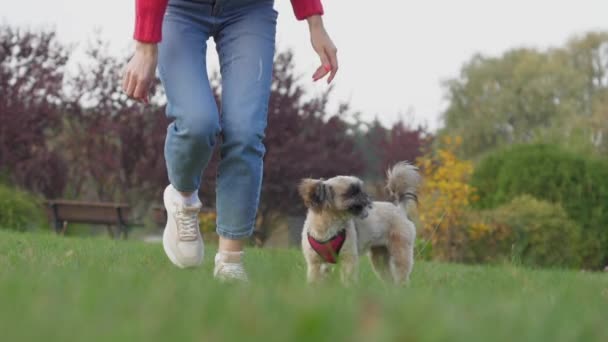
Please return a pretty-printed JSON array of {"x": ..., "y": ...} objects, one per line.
[
  {"x": 403, "y": 143},
  {"x": 31, "y": 79},
  {"x": 113, "y": 144}
]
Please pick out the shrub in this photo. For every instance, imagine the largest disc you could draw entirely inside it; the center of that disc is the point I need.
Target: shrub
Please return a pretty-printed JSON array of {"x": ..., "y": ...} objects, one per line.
[
  {"x": 445, "y": 196},
  {"x": 19, "y": 210},
  {"x": 423, "y": 249},
  {"x": 528, "y": 231},
  {"x": 578, "y": 183}
]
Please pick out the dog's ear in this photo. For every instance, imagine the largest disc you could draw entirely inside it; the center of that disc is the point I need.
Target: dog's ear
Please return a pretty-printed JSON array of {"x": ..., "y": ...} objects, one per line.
[{"x": 313, "y": 192}]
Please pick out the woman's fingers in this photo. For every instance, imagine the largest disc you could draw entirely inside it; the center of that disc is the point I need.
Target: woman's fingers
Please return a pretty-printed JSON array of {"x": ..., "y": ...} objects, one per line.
[
  {"x": 320, "y": 73},
  {"x": 141, "y": 90},
  {"x": 329, "y": 64},
  {"x": 131, "y": 85},
  {"x": 332, "y": 53},
  {"x": 139, "y": 72},
  {"x": 136, "y": 87},
  {"x": 324, "y": 68}
]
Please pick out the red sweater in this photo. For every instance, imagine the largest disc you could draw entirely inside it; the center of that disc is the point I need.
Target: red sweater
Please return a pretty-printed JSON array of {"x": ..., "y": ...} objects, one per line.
[{"x": 149, "y": 16}]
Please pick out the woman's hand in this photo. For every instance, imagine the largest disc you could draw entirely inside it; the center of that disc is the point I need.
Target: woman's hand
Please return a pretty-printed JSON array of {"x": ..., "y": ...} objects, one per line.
[
  {"x": 324, "y": 47},
  {"x": 139, "y": 72}
]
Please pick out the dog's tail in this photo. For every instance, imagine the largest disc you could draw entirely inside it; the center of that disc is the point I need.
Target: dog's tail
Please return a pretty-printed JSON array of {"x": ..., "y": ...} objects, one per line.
[{"x": 403, "y": 181}]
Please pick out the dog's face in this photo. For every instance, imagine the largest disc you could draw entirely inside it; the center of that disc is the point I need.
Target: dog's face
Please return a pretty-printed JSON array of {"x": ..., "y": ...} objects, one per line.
[{"x": 342, "y": 194}]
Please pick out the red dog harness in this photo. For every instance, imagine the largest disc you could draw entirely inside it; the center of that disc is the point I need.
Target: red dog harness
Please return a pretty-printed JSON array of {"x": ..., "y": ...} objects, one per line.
[{"x": 330, "y": 249}]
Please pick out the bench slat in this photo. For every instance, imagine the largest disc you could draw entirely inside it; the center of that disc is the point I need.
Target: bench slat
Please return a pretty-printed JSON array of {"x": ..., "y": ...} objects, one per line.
[
  {"x": 88, "y": 204},
  {"x": 85, "y": 212}
]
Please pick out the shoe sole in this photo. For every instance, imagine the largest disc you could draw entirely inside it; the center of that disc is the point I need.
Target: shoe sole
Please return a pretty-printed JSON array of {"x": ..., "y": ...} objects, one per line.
[{"x": 168, "y": 251}]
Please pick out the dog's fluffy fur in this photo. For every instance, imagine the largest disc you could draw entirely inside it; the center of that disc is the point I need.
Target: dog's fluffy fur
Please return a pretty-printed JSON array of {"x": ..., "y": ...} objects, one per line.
[{"x": 382, "y": 229}]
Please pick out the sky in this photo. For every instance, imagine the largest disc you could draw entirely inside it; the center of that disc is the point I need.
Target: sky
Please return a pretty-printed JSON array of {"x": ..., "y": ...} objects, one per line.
[{"x": 393, "y": 55}]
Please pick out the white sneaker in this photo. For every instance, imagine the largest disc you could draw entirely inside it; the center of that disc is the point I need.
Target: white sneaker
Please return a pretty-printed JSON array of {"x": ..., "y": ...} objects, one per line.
[
  {"x": 229, "y": 271},
  {"x": 182, "y": 239}
]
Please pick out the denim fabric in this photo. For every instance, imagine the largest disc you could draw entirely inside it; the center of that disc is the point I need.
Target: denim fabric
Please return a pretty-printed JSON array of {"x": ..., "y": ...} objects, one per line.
[{"x": 244, "y": 33}]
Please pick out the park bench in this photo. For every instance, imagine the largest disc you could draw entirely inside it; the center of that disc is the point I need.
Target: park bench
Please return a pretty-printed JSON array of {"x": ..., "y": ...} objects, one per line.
[{"x": 62, "y": 212}]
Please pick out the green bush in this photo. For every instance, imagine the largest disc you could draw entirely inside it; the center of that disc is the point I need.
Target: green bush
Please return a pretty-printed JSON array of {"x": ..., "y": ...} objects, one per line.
[
  {"x": 547, "y": 172},
  {"x": 19, "y": 210},
  {"x": 423, "y": 249},
  {"x": 526, "y": 231}
]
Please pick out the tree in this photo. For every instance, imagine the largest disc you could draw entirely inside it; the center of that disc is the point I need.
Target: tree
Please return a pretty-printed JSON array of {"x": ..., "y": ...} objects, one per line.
[
  {"x": 589, "y": 55},
  {"x": 381, "y": 148},
  {"x": 403, "y": 143},
  {"x": 446, "y": 198},
  {"x": 113, "y": 144},
  {"x": 371, "y": 138},
  {"x": 527, "y": 95},
  {"x": 31, "y": 78}
]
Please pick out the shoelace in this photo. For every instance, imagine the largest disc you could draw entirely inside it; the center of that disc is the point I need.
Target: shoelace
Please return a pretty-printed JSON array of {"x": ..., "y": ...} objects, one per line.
[
  {"x": 229, "y": 271},
  {"x": 187, "y": 223}
]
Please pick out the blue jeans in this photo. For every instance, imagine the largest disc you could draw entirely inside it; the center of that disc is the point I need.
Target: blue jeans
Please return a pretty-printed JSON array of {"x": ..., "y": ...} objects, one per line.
[{"x": 244, "y": 33}]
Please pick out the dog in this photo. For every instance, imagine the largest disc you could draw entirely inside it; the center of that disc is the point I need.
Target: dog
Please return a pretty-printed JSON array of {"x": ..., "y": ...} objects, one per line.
[{"x": 342, "y": 223}]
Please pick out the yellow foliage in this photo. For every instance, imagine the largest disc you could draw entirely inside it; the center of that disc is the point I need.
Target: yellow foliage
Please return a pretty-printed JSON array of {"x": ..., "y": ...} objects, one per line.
[
  {"x": 207, "y": 223},
  {"x": 478, "y": 230},
  {"x": 445, "y": 197}
]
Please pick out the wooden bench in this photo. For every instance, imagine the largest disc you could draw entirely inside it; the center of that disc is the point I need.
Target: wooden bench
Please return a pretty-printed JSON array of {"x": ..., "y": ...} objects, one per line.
[{"x": 62, "y": 212}]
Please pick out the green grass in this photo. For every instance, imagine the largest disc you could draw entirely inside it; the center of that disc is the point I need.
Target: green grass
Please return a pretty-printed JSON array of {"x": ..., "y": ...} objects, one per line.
[{"x": 75, "y": 289}]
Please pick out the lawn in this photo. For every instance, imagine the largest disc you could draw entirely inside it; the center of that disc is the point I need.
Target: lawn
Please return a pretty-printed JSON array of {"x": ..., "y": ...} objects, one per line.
[{"x": 95, "y": 289}]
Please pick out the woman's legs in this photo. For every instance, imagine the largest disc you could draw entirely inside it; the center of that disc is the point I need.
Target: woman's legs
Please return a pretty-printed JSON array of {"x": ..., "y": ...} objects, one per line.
[
  {"x": 192, "y": 134},
  {"x": 246, "y": 45},
  {"x": 244, "y": 31},
  {"x": 182, "y": 66}
]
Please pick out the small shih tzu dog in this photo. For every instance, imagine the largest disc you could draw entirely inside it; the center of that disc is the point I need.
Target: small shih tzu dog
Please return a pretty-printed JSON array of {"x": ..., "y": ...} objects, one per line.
[{"x": 342, "y": 223}]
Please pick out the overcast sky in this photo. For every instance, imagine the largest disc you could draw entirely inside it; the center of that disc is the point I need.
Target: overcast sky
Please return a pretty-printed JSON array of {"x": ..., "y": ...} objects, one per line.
[{"x": 393, "y": 54}]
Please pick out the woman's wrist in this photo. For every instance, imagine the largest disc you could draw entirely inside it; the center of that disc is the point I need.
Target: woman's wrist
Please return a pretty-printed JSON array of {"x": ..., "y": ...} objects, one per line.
[
  {"x": 146, "y": 48},
  {"x": 315, "y": 21}
]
